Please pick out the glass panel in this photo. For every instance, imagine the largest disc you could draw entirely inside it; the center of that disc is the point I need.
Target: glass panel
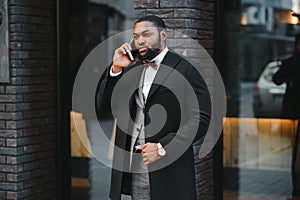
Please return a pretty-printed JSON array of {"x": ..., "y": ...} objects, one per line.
[
  {"x": 90, "y": 23},
  {"x": 258, "y": 141},
  {"x": 258, "y": 35},
  {"x": 258, "y": 157}
]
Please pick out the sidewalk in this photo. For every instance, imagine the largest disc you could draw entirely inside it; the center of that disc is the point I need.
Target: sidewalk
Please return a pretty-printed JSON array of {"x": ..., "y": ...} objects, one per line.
[{"x": 249, "y": 184}]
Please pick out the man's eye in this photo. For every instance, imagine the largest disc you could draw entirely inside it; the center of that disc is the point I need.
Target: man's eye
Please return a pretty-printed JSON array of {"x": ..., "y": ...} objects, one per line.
[
  {"x": 135, "y": 37},
  {"x": 146, "y": 34}
]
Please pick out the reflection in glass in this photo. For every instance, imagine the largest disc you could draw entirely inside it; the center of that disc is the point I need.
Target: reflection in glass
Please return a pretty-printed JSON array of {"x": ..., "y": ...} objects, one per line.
[
  {"x": 90, "y": 22},
  {"x": 257, "y": 36},
  {"x": 267, "y": 96}
]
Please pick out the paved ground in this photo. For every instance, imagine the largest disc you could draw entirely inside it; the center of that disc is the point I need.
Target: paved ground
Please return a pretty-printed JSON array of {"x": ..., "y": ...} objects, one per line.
[
  {"x": 239, "y": 184},
  {"x": 247, "y": 184}
]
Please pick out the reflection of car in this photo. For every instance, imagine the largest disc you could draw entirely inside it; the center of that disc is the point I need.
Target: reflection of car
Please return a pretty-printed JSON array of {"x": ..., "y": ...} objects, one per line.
[{"x": 268, "y": 96}]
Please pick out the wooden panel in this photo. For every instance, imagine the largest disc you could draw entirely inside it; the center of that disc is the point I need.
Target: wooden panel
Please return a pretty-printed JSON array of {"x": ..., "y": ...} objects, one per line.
[
  {"x": 80, "y": 182},
  {"x": 226, "y": 143},
  {"x": 258, "y": 143},
  {"x": 264, "y": 143},
  {"x": 251, "y": 143},
  {"x": 80, "y": 144},
  {"x": 234, "y": 139}
]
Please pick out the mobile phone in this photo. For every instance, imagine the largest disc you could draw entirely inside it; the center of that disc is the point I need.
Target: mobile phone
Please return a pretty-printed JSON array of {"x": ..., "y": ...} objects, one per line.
[{"x": 133, "y": 53}]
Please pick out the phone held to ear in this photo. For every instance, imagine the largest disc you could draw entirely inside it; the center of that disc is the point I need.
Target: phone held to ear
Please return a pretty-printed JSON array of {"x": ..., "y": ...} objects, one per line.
[
  {"x": 133, "y": 53},
  {"x": 129, "y": 54}
]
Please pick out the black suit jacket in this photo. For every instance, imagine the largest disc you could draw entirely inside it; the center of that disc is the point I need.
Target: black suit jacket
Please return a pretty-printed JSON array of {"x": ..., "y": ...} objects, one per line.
[{"x": 187, "y": 120}]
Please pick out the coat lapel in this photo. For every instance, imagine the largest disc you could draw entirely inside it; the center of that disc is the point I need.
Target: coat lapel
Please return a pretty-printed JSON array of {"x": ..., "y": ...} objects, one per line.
[
  {"x": 135, "y": 77},
  {"x": 168, "y": 64}
]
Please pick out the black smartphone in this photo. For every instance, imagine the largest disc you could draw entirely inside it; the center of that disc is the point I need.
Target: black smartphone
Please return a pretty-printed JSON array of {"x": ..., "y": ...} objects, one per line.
[{"x": 133, "y": 53}]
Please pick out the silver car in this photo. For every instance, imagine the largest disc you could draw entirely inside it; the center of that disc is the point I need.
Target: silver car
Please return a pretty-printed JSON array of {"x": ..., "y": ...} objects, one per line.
[{"x": 267, "y": 96}]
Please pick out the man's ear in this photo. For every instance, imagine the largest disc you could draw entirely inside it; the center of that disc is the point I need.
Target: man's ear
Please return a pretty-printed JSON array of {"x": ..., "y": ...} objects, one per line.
[{"x": 163, "y": 35}]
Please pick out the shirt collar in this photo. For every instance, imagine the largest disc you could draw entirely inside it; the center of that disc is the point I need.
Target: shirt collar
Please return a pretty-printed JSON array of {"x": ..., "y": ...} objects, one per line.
[{"x": 159, "y": 58}]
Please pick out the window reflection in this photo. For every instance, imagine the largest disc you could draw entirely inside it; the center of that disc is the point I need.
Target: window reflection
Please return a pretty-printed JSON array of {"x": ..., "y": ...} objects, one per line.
[
  {"x": 258, "y": 143},
  {"x": 258, "y": 34},
  {"x": 91, "y": 22}
]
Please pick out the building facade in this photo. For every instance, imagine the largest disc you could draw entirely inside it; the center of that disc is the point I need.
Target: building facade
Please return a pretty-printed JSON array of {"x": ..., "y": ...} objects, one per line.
[{"x": 47, "y": 40}]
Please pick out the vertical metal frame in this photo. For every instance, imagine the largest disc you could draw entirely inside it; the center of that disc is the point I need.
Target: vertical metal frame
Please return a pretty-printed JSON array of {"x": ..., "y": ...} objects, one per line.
[
  {"x": 218, "y": 58},
  {"x": 63, "y": 103}
]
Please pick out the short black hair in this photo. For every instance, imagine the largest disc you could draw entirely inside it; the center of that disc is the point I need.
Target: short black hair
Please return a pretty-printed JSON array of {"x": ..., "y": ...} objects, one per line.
[{"x": 157, "y": 21}]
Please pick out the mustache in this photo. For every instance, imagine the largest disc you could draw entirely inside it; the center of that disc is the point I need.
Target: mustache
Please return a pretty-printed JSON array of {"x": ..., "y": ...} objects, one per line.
[
  {"x": 144, "y": 47},
  {"x": 151, "y": 53}
]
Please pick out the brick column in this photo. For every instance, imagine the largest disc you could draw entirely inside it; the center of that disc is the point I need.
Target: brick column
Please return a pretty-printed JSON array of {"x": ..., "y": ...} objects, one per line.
[
  {"x": 27, "y": 103},
  {"x": 194, "y": 18}
]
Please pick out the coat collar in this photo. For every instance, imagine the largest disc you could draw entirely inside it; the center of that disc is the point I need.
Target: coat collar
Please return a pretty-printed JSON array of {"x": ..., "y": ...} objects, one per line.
[{"x": 168, "y": 64}]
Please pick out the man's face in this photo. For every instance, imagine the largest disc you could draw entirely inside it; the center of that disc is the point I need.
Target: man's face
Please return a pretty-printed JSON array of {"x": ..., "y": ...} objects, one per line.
[{"x": 148, "y": 40}]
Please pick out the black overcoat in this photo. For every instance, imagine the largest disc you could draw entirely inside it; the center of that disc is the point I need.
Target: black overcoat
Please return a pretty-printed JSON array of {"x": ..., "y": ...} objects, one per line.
[
  {"x": 186, "y": 122},
  {"x": 289, "y": 73}
]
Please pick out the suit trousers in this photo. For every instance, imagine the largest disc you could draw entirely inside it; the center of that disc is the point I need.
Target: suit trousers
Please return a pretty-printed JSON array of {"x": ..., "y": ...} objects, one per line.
[{"x": 140, "y": 186}]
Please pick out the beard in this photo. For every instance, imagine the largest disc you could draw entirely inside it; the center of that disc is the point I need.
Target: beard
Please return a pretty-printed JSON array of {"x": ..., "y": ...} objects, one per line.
[{"x": 151, "y": 52}]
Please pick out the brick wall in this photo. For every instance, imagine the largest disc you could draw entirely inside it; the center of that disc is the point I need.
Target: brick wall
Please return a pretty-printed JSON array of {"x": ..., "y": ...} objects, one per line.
[
  {"x": 194, "y": 18},
  {"x": 27, "y": 104}
]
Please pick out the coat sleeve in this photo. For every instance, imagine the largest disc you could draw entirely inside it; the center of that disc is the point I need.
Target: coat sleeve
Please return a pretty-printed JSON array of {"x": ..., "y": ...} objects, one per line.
[
  {"x": 286, "y": 72},
  {"x": 103, "y": 94}
]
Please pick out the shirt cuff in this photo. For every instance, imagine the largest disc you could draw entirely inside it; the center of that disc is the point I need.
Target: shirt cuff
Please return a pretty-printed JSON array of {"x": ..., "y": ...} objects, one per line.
[{"x": 114, "y": 74}]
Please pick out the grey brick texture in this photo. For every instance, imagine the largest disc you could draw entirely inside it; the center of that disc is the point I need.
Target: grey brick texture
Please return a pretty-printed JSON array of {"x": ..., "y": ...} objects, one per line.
[{"x": 27, "y": 103}]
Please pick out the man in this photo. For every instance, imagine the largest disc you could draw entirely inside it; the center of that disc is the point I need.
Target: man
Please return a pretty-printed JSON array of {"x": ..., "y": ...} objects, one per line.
[
  {"x": 151, "y": 167},
  {"x": 289, "y": 73}
]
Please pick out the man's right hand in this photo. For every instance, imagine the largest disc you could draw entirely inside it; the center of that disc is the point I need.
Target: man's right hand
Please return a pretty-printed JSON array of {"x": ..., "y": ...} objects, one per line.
[{"x": 120, "y": 59}]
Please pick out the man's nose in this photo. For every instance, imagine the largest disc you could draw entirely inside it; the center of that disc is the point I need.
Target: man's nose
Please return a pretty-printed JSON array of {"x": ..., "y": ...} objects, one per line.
[{"x": 141, "y": 41}]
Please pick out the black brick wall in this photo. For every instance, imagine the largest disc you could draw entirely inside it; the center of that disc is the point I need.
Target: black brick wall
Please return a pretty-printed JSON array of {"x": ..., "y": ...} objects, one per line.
[
  {"x": 27, "y": 103},
  {"x": 194, "y": 18}
]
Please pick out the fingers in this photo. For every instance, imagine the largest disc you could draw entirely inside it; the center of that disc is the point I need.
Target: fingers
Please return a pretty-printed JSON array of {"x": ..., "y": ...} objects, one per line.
[
  {"x": 120, "y": 59},
  {"x": 149, "y": 158},
  {"x": 146, "y": 161},
  {"x": 149, "y": 147},
  {"x": 149, "y": 152},
  {"x": 125, "y": 48}
]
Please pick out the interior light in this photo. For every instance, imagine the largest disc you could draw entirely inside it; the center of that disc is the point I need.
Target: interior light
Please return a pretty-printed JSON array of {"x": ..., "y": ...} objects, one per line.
[
  {"x": 244, "y": 19},
  {"x": 295, "y": 18}
]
